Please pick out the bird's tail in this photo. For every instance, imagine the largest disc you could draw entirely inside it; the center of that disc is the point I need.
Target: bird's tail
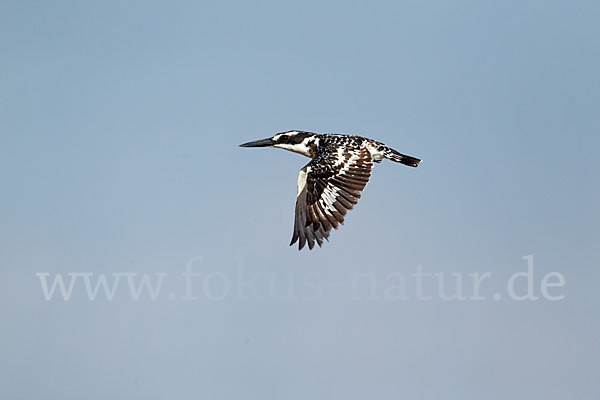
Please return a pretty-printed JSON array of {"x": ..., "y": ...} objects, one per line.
[{"x": 393, "y": 155}]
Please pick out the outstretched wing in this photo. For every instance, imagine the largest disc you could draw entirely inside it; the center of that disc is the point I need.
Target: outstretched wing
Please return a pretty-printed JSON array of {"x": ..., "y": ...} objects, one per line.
[{"x": 328, "y": 187}]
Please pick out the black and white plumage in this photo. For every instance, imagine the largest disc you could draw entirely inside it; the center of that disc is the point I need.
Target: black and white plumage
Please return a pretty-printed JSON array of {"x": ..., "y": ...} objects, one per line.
[{"x": 331, "y": 183}]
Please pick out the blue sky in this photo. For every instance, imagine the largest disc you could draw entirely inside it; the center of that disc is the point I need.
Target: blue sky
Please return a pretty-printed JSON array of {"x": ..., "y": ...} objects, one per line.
[{"x": 119, "y": 132}]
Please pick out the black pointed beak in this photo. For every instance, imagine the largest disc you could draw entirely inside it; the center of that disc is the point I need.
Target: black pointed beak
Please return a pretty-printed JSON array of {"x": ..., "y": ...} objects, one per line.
[{"x": 259, "y": 143}]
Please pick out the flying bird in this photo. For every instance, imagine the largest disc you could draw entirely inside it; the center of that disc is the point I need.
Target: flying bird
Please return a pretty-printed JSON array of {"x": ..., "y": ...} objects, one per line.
[{"x": 330, "y": 184}]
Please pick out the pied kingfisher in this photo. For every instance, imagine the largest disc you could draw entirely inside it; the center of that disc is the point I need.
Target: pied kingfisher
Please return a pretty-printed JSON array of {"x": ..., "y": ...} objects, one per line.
[{"x": 330, "y": 184}]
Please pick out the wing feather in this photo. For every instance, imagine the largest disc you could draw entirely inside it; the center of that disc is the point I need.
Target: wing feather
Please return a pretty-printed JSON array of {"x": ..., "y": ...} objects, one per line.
[{"x": 328, "y": 187}]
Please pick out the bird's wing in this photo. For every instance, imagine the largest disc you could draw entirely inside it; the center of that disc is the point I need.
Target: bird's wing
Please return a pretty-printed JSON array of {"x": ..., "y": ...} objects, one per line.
[{"x": 328, "y": 187}]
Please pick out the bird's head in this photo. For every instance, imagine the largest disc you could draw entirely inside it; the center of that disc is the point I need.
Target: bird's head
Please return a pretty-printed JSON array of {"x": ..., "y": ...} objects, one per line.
[{"x": 297, "y": 141}]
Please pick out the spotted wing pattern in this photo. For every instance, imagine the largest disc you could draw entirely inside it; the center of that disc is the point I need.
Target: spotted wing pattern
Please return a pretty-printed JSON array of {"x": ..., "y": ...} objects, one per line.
[{"x": 328, "y": 187}]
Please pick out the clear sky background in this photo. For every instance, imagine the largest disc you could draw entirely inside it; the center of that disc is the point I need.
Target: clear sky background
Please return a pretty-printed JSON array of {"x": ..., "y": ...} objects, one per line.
[{"x": 119, "y": 130}]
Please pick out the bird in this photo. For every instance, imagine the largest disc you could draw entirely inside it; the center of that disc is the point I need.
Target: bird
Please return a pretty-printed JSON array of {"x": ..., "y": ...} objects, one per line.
[{"x": 331, "y": 183}]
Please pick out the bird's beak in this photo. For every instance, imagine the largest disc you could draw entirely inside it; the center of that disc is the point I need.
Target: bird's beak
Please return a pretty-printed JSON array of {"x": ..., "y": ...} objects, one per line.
[{"x": 259, "y": 143}]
